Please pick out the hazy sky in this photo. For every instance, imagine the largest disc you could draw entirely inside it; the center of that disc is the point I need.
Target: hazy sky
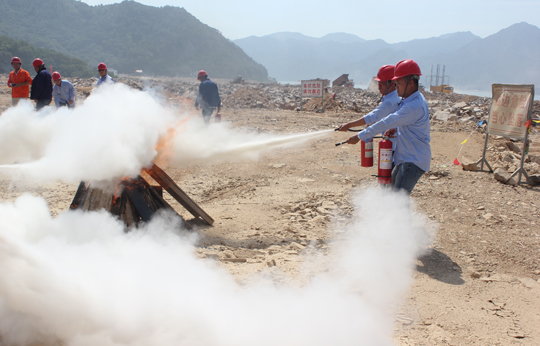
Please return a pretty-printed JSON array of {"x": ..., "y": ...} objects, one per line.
[{"x": 390, "y": 20}]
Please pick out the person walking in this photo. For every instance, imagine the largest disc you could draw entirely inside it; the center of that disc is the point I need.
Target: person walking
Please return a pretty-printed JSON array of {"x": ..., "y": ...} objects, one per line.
[
  {"x": 63, "y": 91},
  {"x": 208, "y": 98},
  {"x": 41, "y": 91},
  {"x": 412, "y": 157},
  {"x": 19, "y": 81},
  {"x": 103, "y": 76}
]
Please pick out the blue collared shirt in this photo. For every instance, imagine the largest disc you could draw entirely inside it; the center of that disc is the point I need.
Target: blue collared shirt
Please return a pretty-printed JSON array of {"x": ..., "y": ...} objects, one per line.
[
  {"x": 413, "y": 131},
  {"x": 106, "y": 79},
  {"x": 388, "y": 105},
  {"x": 64, "y": 93}
]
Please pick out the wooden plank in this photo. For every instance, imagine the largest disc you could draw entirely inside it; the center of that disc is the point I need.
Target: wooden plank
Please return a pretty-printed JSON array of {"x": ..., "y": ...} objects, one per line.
[
  {"x": 128, "y": 216},
  {"x": 166, "y": 205},
  {"x": 137, "y": 198},
  {"x": 87, "y": 198},
  {"x": 176, "y": 192},
  {"x": 117, "y": 208},
  {"x": 95, "y": 199},
  {"x": 79, "y": 196}
]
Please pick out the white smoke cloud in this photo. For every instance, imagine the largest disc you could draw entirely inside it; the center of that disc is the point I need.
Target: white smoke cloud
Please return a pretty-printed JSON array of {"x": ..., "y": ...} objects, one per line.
[
  {"x": 114, "y": 133},
  {"x": 78, "y": 279}
]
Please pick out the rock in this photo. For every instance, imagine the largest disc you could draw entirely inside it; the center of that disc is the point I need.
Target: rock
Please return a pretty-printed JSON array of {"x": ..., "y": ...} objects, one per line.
[
  {"x": 507, "y": 157},
  {"x": 535, "y": 158},
  {"x": 466, "y": 119},
  {"x": 441, "y": 115},
  {"x": 471, "y": 166},
  {"x": 328, "y": 205},
  {"x": 528, "y": 282},
  {"x": 296, "y": 246},
  {"x": 475, "y": 275},
  {"x": 460, "y": 105},
  {"x": 513, "y": 147},
  {"x": 480, "y": 208},
  {"x": 234, "y": 259},
  {"x": 504, "y": 177},
  {"x": 535, "y": 179},
  {"x": 271, "y": 263}
]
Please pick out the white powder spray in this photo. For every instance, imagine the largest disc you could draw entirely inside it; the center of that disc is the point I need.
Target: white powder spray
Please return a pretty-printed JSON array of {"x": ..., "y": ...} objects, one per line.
[
  {"x": 79, "y": 280},
  {"x": 116, "y": 132}
]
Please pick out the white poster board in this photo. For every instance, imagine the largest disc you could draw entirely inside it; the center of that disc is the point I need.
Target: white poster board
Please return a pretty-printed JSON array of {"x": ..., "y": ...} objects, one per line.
[
  {"x": 510, "y": 110},
  {"x": 312, "y": 88}
]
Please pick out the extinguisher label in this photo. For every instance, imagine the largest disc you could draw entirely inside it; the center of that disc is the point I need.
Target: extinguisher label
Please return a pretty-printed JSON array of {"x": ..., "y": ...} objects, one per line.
[
  {"x": 369, "y": 149},
  {"x": 385, "y": 159}
]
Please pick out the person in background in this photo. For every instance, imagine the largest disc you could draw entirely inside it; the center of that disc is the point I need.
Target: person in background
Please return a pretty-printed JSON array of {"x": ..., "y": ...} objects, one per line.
[
  {"x": 19, "y": 81},
  {"x": 41, "y": 91},
  {"x": 63, "y": 91},
  {"x": 208, "y": 98},
  {"x": 411, "y": 123},
  {"x": 388, "y": 103},
  {"x": 104, "y": 77}
]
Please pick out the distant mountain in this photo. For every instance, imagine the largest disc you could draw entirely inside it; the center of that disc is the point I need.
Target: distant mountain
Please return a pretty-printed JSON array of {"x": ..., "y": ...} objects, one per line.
[
  {"x": 128, "y": 36},
  {"x": 294, "y": 56},
  {"x": 342, "y": 37},
  {"x": 508, "y": 56},
  {"x": 67, "y": 66}
]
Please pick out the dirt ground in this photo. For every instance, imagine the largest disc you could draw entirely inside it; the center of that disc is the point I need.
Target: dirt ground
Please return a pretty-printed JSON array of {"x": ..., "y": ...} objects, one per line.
[{"x": 479, "y": 285}]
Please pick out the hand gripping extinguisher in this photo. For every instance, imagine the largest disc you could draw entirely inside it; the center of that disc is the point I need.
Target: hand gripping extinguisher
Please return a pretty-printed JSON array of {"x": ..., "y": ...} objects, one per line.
[
  {"x": 384, "y": 173},
  {"x": 366, "y": 158}
]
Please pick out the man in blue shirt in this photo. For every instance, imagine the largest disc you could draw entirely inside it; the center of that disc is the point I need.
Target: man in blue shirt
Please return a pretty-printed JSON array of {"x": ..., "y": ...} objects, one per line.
[
  {"x": 63, "y": 91},
  {"x": 208, "y": 98},
  {"x": 413, "y": 152},
  {"x": 103, "y": 76},
  {"x": 387, "y": 104},
  {"x": 41, "y": 91}
]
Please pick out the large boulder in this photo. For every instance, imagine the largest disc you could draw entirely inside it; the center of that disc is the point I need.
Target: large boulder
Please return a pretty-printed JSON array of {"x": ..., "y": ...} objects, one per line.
[{"x": 504, "y": 177}]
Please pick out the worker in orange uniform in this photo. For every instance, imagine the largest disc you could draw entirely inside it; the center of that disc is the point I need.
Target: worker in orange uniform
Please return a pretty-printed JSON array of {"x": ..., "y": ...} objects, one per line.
[{"x": 19, "y": 80}]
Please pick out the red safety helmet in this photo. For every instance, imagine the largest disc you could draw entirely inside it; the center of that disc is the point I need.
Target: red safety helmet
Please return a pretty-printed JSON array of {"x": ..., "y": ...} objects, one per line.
[
  {"x": 16, "y": 59},
  {"x": 385, "y": 73},
  {"x": 56, "y": 75},
  {"x": 101, "y": 66},
  {"x": 37, "y": 62},
  {"x": 406, "y": 68},
  {"x": 201, "y": 73}
]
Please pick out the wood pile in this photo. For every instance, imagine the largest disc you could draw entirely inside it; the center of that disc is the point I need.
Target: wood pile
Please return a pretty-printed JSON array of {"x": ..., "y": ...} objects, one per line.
[{"x": 137, "y": 201}]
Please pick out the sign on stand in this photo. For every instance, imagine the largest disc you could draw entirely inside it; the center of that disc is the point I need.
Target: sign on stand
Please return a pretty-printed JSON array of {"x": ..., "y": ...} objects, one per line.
[
  {"x": 509, "y": 116},
  {"x": 311, "y": 89}
]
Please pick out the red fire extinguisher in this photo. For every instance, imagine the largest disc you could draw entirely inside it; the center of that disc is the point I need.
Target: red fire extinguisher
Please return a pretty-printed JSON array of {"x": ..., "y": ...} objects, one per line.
[
  {"x": 385, "y": 162},
  {"x": 366, "y": 159}
]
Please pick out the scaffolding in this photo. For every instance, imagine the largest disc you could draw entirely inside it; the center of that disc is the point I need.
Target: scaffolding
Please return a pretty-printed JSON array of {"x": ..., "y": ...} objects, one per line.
[{"x": 439, "y": 82}]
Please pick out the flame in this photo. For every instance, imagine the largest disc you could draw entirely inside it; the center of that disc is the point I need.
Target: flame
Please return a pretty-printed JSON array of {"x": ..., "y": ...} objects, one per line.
[{"x": 164, "y": 146}]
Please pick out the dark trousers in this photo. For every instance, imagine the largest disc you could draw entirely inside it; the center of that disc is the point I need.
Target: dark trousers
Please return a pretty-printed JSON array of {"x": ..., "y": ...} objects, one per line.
[
  {"x": 405, "y": 176},
  {"x": 206, "y": 114},
  {"x": 42, "y": 103}
]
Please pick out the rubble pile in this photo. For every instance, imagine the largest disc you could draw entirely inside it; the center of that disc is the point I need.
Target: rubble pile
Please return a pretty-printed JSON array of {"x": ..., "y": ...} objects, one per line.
[
  {"x": 505, "y": 158},
  {"x": 474, "y": 110},
  {"x": 83, "y": 82},
  {"x": 248, "y": 98}
]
